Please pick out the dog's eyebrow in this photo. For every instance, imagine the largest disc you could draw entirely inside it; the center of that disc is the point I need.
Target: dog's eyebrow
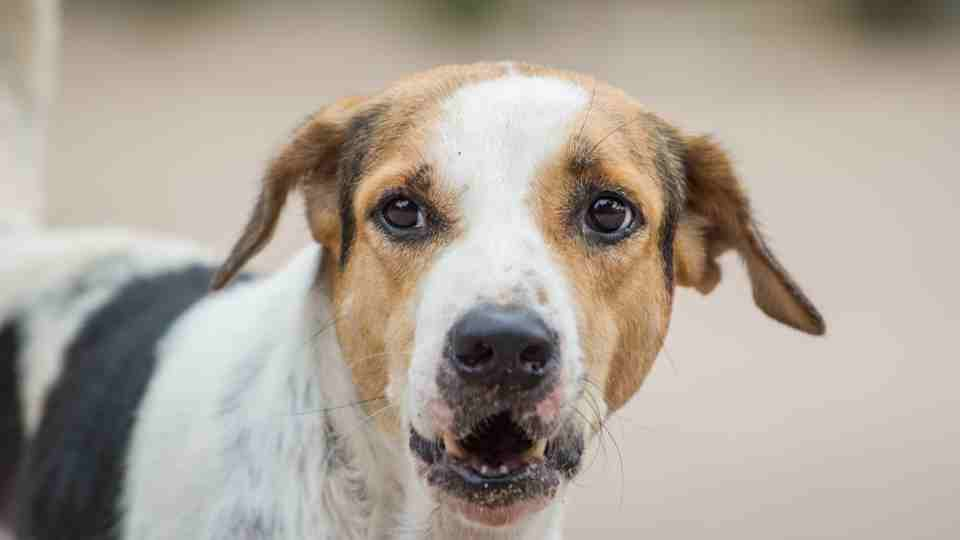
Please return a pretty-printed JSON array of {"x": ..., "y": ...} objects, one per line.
[
  {"x": 581, "y": 158},
  {"x": 421, "y": 179}
]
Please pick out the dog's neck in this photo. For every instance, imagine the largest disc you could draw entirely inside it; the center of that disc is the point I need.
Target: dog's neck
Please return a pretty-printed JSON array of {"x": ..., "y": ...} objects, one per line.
[{"x": 371, "y": 489}]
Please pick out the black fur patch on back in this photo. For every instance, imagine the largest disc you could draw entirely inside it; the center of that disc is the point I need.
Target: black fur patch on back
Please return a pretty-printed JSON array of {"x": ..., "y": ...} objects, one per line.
[
  {"x": 72, "y": 477},
  {"x": 11, "y": 417}
]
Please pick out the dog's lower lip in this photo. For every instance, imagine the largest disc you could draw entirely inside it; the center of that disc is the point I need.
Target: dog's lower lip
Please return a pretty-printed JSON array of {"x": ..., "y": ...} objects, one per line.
[{"x": 479, "y": 497}]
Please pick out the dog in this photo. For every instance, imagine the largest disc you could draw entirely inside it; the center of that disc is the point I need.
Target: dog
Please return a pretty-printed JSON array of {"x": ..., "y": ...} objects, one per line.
[{"x": 496, "y": 251}]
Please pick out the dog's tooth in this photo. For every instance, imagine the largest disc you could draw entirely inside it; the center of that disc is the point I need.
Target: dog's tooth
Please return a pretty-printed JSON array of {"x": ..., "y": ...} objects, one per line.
[
  {"x": 453, "y": 447},
  {"x": 504, "y": 470},
  {"x": 485, "y": 470},
  {"x": 537, "y": 450}
]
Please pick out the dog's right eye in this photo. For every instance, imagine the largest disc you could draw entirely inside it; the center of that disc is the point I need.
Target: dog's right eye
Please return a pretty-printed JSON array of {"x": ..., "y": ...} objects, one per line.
[
  {"x": 611, "y": 218},
  {"x": 402, "y": 213}
]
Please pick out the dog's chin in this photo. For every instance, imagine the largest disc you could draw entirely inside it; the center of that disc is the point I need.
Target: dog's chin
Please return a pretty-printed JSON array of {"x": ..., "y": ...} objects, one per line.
[
  {"x": 496, "y": 516},
  {"x": 492, "y": 502},
  {"x": 496, "y": 476}
]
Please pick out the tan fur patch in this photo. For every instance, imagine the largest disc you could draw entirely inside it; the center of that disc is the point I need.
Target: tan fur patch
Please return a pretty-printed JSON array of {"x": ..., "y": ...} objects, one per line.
[{"x": 621, "y": 294}]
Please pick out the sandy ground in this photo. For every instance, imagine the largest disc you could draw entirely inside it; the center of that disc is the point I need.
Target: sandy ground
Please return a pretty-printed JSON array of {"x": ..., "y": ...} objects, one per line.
[{"x": 745, "y": 429}]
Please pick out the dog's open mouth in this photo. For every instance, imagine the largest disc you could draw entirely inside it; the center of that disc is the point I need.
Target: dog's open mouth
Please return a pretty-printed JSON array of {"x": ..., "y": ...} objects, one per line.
[
  {"x": 498, "y": 465},
  {"x": 497, "y": 448}
]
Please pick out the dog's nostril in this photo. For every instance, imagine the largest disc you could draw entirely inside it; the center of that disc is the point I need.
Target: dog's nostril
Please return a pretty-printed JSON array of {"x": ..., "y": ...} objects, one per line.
[
  {"x": 474, "y": 355},
  {"x": 494, "y": 345},
  {"x": 534, "y": 358}
]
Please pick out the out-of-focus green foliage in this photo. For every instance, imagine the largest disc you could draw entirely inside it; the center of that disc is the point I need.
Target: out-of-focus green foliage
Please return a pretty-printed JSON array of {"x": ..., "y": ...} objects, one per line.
[
  {"x": 455, "y": 11},
  {"x": 468, "y": 10},
  {"x": 900, "y": 16}
]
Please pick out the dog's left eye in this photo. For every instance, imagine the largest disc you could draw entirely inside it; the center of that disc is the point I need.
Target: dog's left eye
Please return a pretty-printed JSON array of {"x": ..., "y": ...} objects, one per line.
[
  {"x": 610, "y": 216},
  {"x": 402, "y": 213}
]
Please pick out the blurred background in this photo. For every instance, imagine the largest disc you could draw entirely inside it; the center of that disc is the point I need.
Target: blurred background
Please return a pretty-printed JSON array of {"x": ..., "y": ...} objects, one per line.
[{"x": 842, "y": 116}]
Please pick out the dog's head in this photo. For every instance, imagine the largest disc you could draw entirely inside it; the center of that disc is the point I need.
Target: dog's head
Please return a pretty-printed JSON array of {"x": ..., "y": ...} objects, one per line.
[{"x": 502, "y": 244}]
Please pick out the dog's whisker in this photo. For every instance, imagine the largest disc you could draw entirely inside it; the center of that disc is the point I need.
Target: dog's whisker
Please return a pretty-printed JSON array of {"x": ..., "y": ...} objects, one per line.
[
  {"x": 670, "y": 361},
  {"x": 354, "y": 363},
  {"x": 616, "y": 446},
  {"x": 622, "y": 126},
  {"x": 607, "y": 432},
  {"x": 586, "y": 116},
  {"x": 589, "y": 422},
  {"x": 586, "y": 379},
  {"x": 373, "y": 416},
  {"x": 323, "y": 410},
  {"x": 593, "y": 400},
  {"x": 602, "y": 428},
  {"x": 321, "y": 329},
  {"x": 422, "y": 159},
  {"x": 363, "y": 425}
]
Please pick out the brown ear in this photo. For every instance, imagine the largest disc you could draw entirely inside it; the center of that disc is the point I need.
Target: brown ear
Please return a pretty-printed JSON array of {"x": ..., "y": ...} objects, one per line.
[
  {"x": 717, "y": 218},
  {"x": 308, "y": 161}
]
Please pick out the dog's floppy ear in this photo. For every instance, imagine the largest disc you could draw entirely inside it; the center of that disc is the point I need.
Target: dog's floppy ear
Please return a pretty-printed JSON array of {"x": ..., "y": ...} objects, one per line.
[
  {"x": 717, "y": 217},
  {"x": 309, "y": 161}
]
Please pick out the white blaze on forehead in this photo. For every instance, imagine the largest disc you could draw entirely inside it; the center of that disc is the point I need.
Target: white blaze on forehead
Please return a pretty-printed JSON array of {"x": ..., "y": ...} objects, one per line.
[
  {"x": 490, "y": 142},
  {"x": 493, "y": 135}
]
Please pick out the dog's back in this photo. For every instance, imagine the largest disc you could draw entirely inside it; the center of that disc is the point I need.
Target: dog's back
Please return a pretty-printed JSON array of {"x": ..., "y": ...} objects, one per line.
[
  {"x": 11, "y": 427},
  {"x": 66, "y": 372},
  {"x": 35, "y": 266}
]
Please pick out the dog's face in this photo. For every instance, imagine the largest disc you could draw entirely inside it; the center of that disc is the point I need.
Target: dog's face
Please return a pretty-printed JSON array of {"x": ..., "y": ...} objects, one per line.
[{"x": 502, "y": 244}]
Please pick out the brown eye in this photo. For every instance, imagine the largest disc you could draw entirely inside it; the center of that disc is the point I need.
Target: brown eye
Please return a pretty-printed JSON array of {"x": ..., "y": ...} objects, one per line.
[
  {"x": 402, "y": 213},
  {"x": 609, "y": 214}
]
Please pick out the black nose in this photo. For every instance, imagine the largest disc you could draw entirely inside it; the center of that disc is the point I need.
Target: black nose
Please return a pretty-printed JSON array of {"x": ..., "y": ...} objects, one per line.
[{"x": 495, "y": 345}]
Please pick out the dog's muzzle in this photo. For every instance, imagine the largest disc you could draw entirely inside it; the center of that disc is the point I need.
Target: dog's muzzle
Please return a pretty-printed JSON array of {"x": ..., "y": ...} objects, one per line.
[{"x": 507, "y": 441}]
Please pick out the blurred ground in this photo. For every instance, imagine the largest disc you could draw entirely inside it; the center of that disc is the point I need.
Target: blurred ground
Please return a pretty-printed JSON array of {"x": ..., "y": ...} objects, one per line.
[{"x": 745, "y": 430}]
